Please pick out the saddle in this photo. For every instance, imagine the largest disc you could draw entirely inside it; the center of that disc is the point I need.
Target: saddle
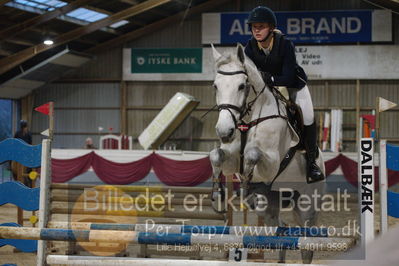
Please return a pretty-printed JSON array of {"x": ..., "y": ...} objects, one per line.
[{"x": 294, "y": 112}]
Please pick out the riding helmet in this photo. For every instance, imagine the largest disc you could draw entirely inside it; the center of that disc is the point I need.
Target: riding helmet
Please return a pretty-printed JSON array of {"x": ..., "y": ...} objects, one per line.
[
  {"x": 262, "y": 14},
  {"x": 23, "y": 123}
]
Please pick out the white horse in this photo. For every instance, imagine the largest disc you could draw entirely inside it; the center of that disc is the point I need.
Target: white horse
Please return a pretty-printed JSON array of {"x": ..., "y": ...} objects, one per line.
[{"x": 267, "y": 144}]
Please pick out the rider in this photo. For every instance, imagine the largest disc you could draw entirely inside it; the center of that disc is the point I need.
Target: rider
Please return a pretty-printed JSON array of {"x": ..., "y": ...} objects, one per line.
[{"x": 274, "y": 57}]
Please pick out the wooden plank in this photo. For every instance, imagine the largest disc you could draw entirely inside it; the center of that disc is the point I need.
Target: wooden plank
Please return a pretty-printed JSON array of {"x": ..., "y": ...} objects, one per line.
[
  {"x": 209, "y": 5},
  {"x": 20, "y": 57},
  {"x": 27, "y": 24},
  {"x": 79, "y": 198},
  {"x": 134, "y": 213},
  {"x": 125, "y": 188}
]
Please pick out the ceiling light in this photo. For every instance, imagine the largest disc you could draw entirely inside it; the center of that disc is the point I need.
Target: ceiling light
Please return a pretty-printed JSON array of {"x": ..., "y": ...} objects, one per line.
[{"x": 48, "y": 42}]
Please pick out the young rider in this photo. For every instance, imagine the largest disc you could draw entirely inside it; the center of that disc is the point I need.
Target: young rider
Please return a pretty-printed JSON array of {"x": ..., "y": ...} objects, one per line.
[{"x": 275, "y": 58}]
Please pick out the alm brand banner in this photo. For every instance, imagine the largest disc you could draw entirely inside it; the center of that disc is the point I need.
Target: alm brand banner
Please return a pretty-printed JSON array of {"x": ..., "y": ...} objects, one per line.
[
  {"x": 184, "y": 60},
  {"x": 347, "y": 26}
]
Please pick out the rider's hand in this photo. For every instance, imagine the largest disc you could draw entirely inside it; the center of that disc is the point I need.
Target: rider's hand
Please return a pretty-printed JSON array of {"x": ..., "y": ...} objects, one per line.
[{"x": 267, "y": 78}]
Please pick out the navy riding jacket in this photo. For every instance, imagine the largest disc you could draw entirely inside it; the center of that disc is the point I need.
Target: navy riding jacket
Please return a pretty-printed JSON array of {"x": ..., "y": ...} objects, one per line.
[{"x": 280, "y": 63}]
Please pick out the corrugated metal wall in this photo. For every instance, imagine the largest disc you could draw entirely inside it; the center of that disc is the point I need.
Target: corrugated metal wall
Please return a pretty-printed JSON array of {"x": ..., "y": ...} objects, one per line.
[
  {"x": 186, "y": 34},
  {"x": 97, "y": 104},
  {"x": 80, "y": 109},
  {"x": 107, "y": 65},
  {"x": 195, "y": 133}
]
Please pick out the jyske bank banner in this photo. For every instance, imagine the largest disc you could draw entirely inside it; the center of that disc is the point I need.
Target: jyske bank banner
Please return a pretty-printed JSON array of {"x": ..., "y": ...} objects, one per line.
[
  {"x": 348, "y": 26},
  {"x": 166, "y": 60}
]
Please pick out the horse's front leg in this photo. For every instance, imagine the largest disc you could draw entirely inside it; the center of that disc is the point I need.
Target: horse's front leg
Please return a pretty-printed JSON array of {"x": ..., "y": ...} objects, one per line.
[
  {"x": 222, "y": 161},
  {"x": 260, "y": 166}
]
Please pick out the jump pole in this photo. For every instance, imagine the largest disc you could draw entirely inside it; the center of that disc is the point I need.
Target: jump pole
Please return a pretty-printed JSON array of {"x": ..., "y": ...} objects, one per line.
[
  {"x": 381, "y": 106},
  {"x": 209, "y": 229},
  {"x": 44, "y": 202},
  {"x": 366, "y": 190},
  {"x": 383, "y": 186},
  {"x": 107, "y": 261},
  {"x": 45, "y": 178},
  {"x": 133, "y": 237},
  {"x": 137, "y": 213}
]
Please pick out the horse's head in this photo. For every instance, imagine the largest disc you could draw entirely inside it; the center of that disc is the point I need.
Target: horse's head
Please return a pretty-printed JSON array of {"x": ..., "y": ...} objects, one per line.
[{"x": 231, "y": 87}]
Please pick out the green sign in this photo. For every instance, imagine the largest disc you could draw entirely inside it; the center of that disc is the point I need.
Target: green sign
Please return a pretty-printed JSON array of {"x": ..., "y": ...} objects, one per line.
[{"x": 187, "y": 60}]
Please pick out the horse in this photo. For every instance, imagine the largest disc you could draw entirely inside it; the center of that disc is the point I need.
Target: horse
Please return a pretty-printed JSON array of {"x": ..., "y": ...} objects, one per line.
[{"x": 269, "y": 139}]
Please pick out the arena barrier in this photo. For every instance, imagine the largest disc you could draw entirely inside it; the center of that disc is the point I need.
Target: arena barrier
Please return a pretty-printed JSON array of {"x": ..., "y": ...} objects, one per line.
[{"x": 18, "y": 194}]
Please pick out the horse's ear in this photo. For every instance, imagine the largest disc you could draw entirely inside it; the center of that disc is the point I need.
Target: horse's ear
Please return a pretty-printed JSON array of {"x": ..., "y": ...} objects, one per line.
[
  {"x": 216, "y": 54},
  {"x": 240, "y": 53}
]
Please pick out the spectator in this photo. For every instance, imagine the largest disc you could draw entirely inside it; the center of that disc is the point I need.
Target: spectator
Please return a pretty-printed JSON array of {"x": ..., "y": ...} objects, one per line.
[
  {"x": 89, "y": 144},
  {"x": 23, "y": 133}
]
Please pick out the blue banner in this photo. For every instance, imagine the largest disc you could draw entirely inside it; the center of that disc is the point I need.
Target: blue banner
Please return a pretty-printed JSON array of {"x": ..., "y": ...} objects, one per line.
[
  {"x": 348, "y": 26},
  {"x": 393, "y": 157}
]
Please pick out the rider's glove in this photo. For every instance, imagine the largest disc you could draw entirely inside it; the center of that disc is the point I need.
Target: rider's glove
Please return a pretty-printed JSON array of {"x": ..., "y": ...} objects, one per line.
[{"x": 267, "y": 78}]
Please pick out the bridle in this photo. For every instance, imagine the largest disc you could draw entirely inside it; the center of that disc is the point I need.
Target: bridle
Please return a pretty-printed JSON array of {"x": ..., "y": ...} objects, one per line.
[
  {"x": 245, "y": 108},
  {"x": 242, "y": 110}
]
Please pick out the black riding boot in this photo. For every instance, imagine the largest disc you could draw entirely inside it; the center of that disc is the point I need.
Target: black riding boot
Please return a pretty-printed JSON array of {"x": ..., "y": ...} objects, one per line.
[{"x": 313, "y": 172}]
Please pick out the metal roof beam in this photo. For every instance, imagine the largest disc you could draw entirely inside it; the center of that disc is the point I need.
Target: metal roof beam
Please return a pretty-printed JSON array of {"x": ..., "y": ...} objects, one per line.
[
  {"x": 18, "y": 28},
  {"x": 130, "y": 2},
  {"x": 156, "y": 12},
  {"x": 184, "y": 3},
  {"x": 3, "y": 2},
  {"x": 20, "y": 57},
  {"x": 20, "y": 41},
  {"x": 157, "y": 25},
  {"x": 5, "y": 52}
]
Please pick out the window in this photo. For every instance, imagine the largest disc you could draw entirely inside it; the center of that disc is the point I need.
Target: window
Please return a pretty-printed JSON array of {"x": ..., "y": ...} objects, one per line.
[{"x": 81, "y": 14}]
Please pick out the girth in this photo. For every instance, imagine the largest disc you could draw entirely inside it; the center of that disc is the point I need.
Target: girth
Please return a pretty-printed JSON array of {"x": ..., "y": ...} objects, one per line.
[{"x": 245, "y": 127}]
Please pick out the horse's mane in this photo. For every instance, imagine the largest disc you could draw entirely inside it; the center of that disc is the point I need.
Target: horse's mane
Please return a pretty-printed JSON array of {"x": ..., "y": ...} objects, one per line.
[
  {"x": 250, "y": 63},
  {"x": 249, "y": 66}
]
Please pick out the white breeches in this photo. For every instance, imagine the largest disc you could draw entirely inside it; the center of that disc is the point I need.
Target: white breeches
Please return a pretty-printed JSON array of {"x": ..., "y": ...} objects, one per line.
[{"x": 304, "y": 100}]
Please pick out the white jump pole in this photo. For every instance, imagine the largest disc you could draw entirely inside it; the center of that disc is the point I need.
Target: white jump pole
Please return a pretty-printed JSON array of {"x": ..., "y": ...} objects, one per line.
[
  {"x": 45, "y": 179},
  {"x": 383, "y": 187},
  {"x": 366, "y": 189}
]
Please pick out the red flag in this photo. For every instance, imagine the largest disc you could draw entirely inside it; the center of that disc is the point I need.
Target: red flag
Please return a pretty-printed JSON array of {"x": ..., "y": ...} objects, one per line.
[
  {"x": 44, "y": 109},
  {"x": 370, "y": 119}
]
